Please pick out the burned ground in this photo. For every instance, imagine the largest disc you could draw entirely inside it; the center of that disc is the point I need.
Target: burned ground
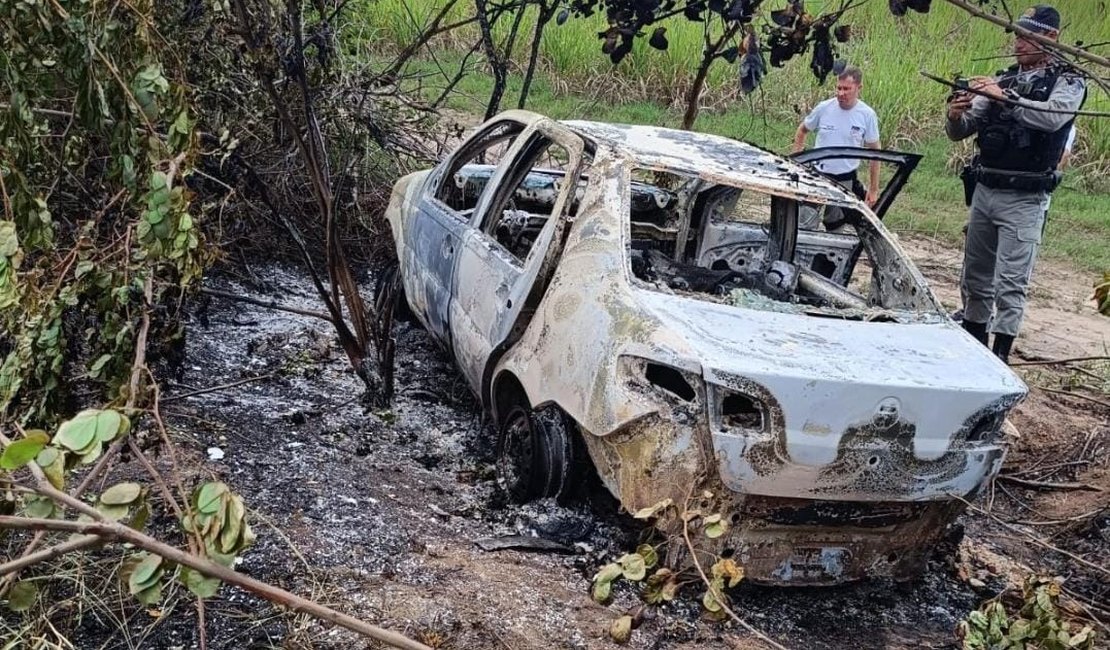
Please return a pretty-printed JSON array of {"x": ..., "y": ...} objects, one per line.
[{"x": 376, "y": 513}]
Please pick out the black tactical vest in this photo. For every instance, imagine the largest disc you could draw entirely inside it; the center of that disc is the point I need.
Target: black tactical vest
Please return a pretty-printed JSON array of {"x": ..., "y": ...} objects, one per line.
[{"x": 1006, "y": 144}]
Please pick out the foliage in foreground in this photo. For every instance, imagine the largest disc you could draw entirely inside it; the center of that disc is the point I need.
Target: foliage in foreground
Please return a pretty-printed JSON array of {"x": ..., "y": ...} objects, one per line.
[
  {"x": 96, "y": 138},
  {"x": 215, "y": 518},
  {"x": 658, "y": 584},
  {"x": 1036, "y": 625}
]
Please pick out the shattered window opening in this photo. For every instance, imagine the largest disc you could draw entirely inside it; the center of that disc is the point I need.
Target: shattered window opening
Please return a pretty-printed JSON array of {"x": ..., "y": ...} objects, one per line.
[
  {"x": 528, "y": 197},
  {"x": 464, "y": 181},
  {"x": 746, "y": 248}
]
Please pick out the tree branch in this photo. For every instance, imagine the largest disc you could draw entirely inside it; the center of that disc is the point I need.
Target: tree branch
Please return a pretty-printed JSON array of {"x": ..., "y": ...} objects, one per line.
[
  {"x": 268, "y": 304},
  {"x": 50, "y": 553},
  {"x": 109, "y": 530},
  {"x": 1033, "y": 36}
]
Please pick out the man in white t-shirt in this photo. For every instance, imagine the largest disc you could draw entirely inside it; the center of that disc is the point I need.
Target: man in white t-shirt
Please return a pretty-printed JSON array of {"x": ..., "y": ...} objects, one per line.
[{"x": 844, "y": 121}]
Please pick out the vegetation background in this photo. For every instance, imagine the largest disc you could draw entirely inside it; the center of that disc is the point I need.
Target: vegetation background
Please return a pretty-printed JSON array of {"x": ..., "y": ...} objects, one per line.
[{"x": 576, "y": 80}]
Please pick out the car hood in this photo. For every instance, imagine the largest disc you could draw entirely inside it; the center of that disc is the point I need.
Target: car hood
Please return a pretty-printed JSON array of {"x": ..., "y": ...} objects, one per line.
[{"x": 829, "y": 374}]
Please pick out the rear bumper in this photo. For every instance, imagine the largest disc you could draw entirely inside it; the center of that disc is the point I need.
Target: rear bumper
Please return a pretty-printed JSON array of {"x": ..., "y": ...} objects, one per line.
[{"x": 808, "y": 542}]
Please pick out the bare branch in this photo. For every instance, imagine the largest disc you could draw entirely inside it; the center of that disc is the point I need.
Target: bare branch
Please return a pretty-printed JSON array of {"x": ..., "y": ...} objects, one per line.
[
  {"x": 51, "y": 553},
  {"x": 1033, "y": 36},
  {"x": 109, "y": 530}
]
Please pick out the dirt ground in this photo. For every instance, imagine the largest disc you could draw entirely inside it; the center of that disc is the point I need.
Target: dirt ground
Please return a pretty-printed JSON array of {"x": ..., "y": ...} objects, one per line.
[{"x": 376, "y": 513}]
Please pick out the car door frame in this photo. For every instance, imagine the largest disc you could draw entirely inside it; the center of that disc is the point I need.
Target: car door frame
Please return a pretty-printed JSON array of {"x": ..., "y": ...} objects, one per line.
[
  {"x": 492, "y": 329},
  {"x": 438, "y": 233},
  {"x": 906, "y": 162}
]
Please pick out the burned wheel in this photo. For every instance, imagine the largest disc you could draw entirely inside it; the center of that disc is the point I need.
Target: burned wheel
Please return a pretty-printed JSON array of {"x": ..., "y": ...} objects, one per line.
[{"x": 535, "y": 453}]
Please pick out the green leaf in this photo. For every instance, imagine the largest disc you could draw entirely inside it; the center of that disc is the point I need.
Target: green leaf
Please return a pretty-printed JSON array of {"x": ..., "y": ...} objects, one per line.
[
  {"x": 22, "y": 596},
  {"x": 121, "y": 494},
  {"x": 98, "y": 365},
  {"x": 233, "y": 525},
  {"x": 978, "y": 619},
  {"x": 208, "y": 497},
  {"x": 709, "y": 601},
  {"x": 9, "y": 240},
  {"x": 715, "y": 529},
  {"x": 47, "y": 456},
  {"x": 651, "y": 511},
  {"x": 21, "y": 452},
  {"x": 38, "y": 507},
  {"x": 108, "y": 424},
  {"x": 1019, "y": 629},
  {"x": 633, "y": 566},
  {"x": 197, "y": 583},
  {"x": 608, "y": 573},
  {"x": 113, "y": 512},
  {"x": 146, "y": 573},
  {"x": 54, "y": 470},
  {"x": 651, "y": 558},
  {"x": 84, "y": 267},
  {"x": 91, "y": 453},
  {"x": 78, "y": 433},
  {"x": 602, "y": 591},
  {"x": 603, "y": 581},
  {"x": 181, "y": 124},
  {"x": 1044, "y": 601},
  {"x": 222, "y": 559},
  {"x": 152, "y": 595},
  {"x": 621, "y": 629}
]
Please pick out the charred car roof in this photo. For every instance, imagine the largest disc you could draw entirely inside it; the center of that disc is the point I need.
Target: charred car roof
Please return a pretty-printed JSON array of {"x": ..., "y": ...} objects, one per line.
[{"x": 712, "y": 158}]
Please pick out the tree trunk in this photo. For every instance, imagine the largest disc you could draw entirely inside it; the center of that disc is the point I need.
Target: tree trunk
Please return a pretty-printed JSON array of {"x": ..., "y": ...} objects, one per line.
[
  {"x": 707, "y": 58},
  {"x": 496, "y": 62},
  {"x": 547, "y": 12}
]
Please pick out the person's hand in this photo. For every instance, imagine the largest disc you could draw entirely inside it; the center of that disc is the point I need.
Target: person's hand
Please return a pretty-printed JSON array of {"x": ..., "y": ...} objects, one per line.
[
  {"x": 959, "y": 105},
  {"x": 986, "y": 86},
  {"x": 872, "y": 198}
]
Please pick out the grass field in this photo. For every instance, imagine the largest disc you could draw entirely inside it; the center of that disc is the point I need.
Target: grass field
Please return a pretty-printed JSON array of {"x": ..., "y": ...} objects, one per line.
[
  {"x": 577, "y": 81},
  {"x": 890, "y": 51}
]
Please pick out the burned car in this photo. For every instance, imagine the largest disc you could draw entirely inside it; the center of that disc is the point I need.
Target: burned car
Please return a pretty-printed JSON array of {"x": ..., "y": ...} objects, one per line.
[{"x": 645, "y": 300}]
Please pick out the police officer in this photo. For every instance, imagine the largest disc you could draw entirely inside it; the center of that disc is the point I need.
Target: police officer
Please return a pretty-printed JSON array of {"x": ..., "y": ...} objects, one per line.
[{"x": 1012, "y": 175}]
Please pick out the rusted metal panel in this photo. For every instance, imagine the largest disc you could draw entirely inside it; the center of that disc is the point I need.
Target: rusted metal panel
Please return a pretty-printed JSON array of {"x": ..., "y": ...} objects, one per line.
[{"x": 834, "y": 444}]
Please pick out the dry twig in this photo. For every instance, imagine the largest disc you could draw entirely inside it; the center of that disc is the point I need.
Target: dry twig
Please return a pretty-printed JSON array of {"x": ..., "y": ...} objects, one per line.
[
  {"x": 1033, "y": 538},
  {"x": 1048, "y": 485}
]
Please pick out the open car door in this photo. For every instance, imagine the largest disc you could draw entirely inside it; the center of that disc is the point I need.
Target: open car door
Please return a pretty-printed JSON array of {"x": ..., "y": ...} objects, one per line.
[
  {"x": 512, "y": 248},
  {"x": 904, "y": 164}
]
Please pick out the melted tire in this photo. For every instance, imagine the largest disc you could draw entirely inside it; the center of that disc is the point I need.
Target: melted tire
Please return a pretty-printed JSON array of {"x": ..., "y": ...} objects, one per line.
[{"x": 535, "y": 454}]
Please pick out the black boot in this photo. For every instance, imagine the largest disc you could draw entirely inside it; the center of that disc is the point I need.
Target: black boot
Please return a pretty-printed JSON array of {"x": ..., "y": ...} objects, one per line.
[
  {"x": 1002, "y": 345},
  {"x": 978, "y": 330}
]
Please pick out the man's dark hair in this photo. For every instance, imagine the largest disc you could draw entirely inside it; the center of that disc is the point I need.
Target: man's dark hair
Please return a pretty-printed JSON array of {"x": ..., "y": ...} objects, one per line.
[{"x": 853, "y": 73}]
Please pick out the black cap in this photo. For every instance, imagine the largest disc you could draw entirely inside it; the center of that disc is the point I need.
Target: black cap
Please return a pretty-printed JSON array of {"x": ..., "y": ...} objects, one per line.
[{"x": 1040, "y": 19}]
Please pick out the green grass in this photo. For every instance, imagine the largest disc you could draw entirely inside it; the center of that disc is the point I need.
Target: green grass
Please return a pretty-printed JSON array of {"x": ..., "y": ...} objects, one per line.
[
  {"x": 890, "y": 51},
  {"x": 576, "y": 81}
]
